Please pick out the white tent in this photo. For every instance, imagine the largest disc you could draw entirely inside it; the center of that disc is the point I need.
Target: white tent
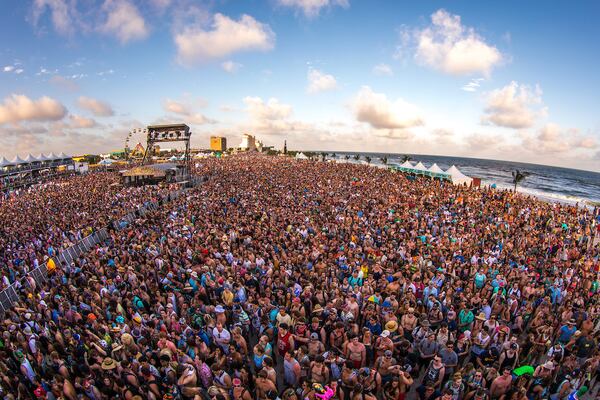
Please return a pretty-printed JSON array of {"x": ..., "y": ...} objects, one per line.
[
  {"x": 43, "y": 157},
  {"x": 301, "y": 156},
  {"x": 406, "y": 164},
  {"x": 107, "y": 161},
  {"x": 17, "y": 161},
  {"x": 30, "y": 159},
  {"x": 4, "y": 162},
  {"x": 435, "y": 169},
  {"x": 63, "y": 156},
  {"x": 458, "y": 178},
  {"x": 173, "y": 158},
  {"x": 52, "y": 157},
  {"x": 421, "y": 167}
]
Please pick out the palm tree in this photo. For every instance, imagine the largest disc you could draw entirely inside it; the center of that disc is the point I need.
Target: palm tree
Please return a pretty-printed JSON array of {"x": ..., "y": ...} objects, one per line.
[
  {"x": 518, "y": 177},
  {"x": 324, "y": 156},
  {"x": 406, "y": 158},
  {"x": 384, "y": 160},
  {"x": 333, "y": 155},
  {"x": 347, "y": 156},
  {"x": 368, "y": 159},
  {"x": 357, "y": 157}
]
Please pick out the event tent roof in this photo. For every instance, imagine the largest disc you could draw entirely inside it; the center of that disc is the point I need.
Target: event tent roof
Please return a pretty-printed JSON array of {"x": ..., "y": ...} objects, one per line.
[
  {"x": 420, "y": 167},
  {"x": 107, "y": 161},
  {"x": 52, "y": 157},
  {"x": 63, "y": 156},
  {"x": 4, "y": 162},
  {"x": 42, "y": 157},
  {"x": 458, "y": 178},
  {"x": 30, "y": 159},
  {"x": 301, "y": 156},
  {"x": 436, "y": 169},
  {"x": 406, "y": 164},
  {"x": 17, "y": 161}
]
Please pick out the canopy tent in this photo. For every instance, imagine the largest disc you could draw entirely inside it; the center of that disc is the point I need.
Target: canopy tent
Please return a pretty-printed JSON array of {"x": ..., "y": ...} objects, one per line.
[
  {"x": 458, "y": 178},
  {"x": 420, "y": 168},
  {"x": 43, "y": 157},
  {"x": 52, "y": 157},
  {"x": 4, "y": 162},
  {"x": 17, "y": 161},
  {"x": 436, "y": 169},
  {"x": 301, "y": 156},
  {"x": 173, "y": 158},
  {"x": 406, "y": 166},
  {"x": 30, "y": 159},
  {"x": 107, "y": 161},
  {"x": 63, "y": 156}
]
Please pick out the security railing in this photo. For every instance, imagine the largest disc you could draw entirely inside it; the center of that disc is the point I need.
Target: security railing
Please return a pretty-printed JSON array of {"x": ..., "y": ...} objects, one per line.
[{"x": 10, "y": 295}]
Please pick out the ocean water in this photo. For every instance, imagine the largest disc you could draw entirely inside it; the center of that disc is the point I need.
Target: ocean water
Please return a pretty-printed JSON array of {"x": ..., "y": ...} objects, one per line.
[{"x": 548, "y": 183}]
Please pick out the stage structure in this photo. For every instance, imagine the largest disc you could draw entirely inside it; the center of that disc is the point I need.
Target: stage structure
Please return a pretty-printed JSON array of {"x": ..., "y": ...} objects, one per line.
[{"x": 168, "y": 133}]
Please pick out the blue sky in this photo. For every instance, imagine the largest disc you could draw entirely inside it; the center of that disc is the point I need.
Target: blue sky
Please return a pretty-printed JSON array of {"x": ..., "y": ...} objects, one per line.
[{"x": 508, "y": 80}]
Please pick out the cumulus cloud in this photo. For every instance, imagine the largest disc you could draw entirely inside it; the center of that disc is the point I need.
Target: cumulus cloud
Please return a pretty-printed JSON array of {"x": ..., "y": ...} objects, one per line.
[
  {"x": 79, "y": 122},
  {"x": 123, "y": 21},
  {"x": 319, "y": 81},
  {"x": 449, "y": 46},
  {"x": 272, "y": 117},
  {"x": 226, "y": 36},
  {"x": 18, "y": 107},
  {"x": 383, "y": 69},
  {"x": 185, "y": 110},
  {"x": 482, "y": 142},
  {"x": 96, "y": 107},
  {"x": 379, "y": 112},
  {"x": 551, "y": 138},
  {"x": 513, "y": 106},
  {"x": 231, "y": 67},
  {"x": 62, "y": 13},
  {"x": 312, "y": 8},
  {"x": 8, "y": 68}
]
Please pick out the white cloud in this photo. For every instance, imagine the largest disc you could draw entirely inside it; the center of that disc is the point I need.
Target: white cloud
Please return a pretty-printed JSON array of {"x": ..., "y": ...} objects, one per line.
[
  {"x": 96, "y": 107},
  {"x": 273, "y": 117},
  {"x": 227, "y": 36},
  {"x": 312, "y": 8},
  {"x": 19, "y": 107},
  {"x": 473, "y": 85},
  {"x": 319, "y": 81},
  {"x": 161, "y": 5},
  {"x": 448, "y": 46},
  {"x": 379, "y": 112},
  {"x": 185, "y": 110},
  {"x": 63, "y": 14},
  {"x": 19, "y": 71},
  {"x": 383, "y": 69},
  {"x": 124, "y": 21},
  {"x": 231, "y": 67},
  {"x": 513, "y": 106},
  {"x": 8, "y": 68},
  {"x": 551, "y": 139},
  {"x": 77, "y": 121}
]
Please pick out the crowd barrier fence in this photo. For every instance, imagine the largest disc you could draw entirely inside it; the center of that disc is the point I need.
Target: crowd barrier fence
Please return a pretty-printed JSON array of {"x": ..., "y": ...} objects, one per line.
[{"x": 10, "y": 295}]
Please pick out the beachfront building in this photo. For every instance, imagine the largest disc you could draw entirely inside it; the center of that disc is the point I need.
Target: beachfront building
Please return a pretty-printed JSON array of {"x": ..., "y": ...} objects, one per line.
[{"x": 248, "y": 142}]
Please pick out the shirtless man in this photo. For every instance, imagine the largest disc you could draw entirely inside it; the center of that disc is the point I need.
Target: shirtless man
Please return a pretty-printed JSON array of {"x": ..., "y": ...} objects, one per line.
[
  {"x": 356, "y": 352},
  {"x": 501, "y": 384}
]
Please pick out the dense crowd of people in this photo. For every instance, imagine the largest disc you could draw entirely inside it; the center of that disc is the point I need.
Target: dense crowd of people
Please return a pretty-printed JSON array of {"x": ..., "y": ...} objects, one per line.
[
  {"x": 286, "y": 279},
  {"x": 38, "y": 222}
]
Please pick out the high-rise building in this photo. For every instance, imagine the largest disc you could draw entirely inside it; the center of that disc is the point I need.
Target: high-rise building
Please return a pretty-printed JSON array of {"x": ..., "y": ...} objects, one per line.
[
  {"x": 248, "y": 142},
  {"x": 218, "y": 143}
]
